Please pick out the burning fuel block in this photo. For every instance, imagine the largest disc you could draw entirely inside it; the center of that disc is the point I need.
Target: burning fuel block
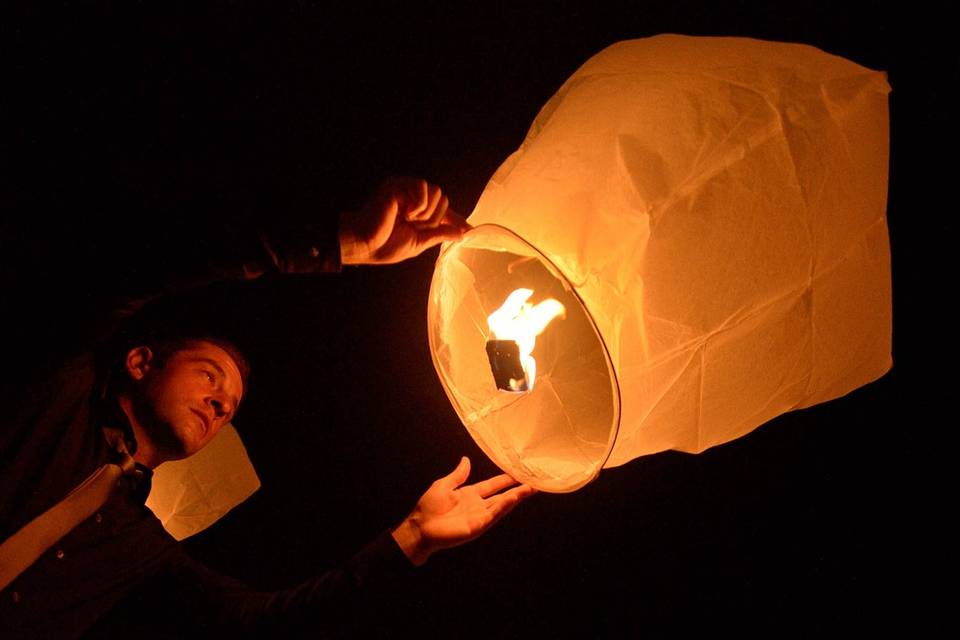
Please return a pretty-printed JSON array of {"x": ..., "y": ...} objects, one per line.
[{"x": 504, "y": 356}]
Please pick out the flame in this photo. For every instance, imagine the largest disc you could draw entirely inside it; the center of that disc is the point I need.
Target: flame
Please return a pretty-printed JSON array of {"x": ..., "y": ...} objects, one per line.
[{"x": 522, "y": 322}]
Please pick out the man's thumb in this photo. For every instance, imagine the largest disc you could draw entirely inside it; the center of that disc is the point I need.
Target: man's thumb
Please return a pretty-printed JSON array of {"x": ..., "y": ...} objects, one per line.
[
  {"x": 431, "y": 237},
  {"x": 459, "y": 475}
]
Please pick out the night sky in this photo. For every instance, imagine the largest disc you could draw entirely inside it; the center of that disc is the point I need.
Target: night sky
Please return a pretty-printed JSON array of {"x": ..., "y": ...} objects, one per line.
[{"x": 128, "y": 133}]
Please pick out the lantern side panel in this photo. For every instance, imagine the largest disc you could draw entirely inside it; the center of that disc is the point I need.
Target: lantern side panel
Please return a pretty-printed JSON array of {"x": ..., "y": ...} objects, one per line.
[{"x": 719, "y": 205}]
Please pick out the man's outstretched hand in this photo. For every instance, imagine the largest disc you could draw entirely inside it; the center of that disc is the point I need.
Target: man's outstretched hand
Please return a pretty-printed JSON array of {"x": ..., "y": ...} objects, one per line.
[
  {"x": 449, "y": 514},
  {"x": 404, "y": 217}
]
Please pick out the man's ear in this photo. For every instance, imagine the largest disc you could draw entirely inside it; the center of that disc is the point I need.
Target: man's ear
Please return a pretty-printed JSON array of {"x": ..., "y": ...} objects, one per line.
[{"x": 139, "y": 361}]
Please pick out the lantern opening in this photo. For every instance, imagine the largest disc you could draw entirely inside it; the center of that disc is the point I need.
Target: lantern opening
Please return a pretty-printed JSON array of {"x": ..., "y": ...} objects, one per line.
[{"x": 548, "y": 415}]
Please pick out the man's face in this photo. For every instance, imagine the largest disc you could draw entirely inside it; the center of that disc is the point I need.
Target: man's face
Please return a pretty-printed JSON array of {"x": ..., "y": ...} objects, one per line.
[{"x": 184, "y": 402}]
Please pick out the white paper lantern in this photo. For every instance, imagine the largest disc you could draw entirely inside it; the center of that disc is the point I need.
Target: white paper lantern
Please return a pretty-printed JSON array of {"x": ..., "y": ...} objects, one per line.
[{"x": 711, "y": 214}]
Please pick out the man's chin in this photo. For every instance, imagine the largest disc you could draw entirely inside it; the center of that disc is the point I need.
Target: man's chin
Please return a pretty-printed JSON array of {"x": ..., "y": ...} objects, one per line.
[
  {"x": 181, "y": 445},
  {"x": 176, "y": 451}
]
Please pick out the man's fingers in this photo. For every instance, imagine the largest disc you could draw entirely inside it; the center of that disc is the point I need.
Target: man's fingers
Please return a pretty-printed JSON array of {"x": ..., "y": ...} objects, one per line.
[
  {"x": 444, "y": 215},
  {"x": 428, "y": 196},
  {"x": 435, "y": 201},
  {"x": 388, "y": 211},
  {"x": 519, "y": 493},
  {"x": 417, "y": 195},
  {"x": 454, "y": 219},
  {"x": 503, "y": 503},
  {"x": 494, "y": 485},
  {"x": 430, "y": 237},
  {"x": 436, "y": 211}
]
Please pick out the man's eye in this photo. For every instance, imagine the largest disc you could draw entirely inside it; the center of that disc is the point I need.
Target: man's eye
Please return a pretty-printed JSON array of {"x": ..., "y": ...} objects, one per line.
[{"x": 209, "y": 376}]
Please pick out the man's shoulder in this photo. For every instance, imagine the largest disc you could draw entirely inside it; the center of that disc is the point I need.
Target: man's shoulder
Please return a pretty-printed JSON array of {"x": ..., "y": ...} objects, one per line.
[{"x": 65, "y": 380}]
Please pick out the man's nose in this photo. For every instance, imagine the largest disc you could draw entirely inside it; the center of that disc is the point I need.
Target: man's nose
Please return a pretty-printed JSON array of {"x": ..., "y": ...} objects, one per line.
[{"x": 220, "y": 408}]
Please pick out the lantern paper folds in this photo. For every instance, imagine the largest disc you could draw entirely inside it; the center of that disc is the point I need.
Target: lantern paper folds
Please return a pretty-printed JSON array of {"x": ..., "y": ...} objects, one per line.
[
  {"x": 711, "y": 214},
  {"x": 189, "y": 495}
]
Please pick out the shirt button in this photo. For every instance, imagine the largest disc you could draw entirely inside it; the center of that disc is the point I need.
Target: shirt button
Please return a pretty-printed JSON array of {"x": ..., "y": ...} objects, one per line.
[
  {"x": 98, "y": 518},
  {"x": 60, "y": 554},
  {"x": 16, "y": 597}
]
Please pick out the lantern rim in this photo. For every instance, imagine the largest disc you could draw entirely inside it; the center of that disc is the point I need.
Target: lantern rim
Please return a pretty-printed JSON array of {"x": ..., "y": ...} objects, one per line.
[{"x": 568, "y": 286}]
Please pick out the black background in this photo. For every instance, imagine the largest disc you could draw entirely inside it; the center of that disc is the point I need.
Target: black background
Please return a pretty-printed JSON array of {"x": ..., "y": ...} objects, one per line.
[{"x": 126, "y": 127}]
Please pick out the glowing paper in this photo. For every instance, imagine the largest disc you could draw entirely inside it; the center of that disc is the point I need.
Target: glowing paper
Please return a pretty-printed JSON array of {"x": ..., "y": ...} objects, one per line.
[
  {"x": 711, "y": 214},
  {"x": 191, "y": 494}
]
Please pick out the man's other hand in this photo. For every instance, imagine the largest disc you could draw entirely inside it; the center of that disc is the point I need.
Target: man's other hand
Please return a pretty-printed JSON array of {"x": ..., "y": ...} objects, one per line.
[
  {"x": 404, "y": 217},
  {"x": 449, "y": 514}
]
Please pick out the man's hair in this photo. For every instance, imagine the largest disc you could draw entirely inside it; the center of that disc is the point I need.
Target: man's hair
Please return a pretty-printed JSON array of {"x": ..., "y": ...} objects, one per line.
[
  {"x": 166, "y": 329},
  {"x": 165, "y": 347}
]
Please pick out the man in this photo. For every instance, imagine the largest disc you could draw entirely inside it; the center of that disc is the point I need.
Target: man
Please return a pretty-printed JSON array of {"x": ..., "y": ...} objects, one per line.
[{"x": 164, "y": 397}]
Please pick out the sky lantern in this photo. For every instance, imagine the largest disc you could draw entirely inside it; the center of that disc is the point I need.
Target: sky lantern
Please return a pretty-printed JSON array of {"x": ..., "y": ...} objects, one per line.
[{"x": 690, "y": 241}]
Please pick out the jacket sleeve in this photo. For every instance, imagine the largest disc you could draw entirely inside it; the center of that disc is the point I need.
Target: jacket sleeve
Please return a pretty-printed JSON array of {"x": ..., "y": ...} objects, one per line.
[
  {"x": 70, "y": 294},
  {"x": 216, "y": 252},
  {"x": 230, "y": 251},
  {"x": 336, "y": 601},
  {"x": 184, "y": 264}
]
